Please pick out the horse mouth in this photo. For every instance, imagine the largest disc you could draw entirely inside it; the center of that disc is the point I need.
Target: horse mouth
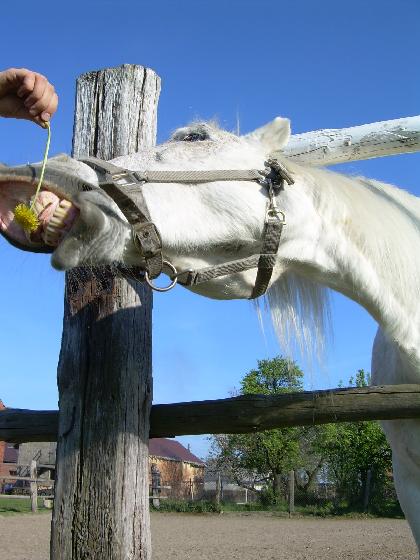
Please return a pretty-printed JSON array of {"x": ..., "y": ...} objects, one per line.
[{"x": 55, "y": 215}]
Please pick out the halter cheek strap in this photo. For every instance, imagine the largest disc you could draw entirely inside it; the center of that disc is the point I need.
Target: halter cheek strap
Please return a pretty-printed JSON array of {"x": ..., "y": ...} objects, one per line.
[{"x": 125, "y": 188}]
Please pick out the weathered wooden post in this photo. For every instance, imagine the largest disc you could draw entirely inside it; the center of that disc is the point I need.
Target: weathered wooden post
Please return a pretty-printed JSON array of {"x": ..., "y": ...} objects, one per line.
[
  {"x": 366, "y": 494},
  {"x": 291, "y": 492},
  {"x": 218, "y": 495},
  {"x": 33, "y": 487},
  {"x": 104, "y": 375}
]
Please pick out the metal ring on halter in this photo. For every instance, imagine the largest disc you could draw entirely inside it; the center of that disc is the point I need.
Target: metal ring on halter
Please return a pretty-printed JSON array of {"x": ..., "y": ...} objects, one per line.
[{"x": 165, "y": 288}]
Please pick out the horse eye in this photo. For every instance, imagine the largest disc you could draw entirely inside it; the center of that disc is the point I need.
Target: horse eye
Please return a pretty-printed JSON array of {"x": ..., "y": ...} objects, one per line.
[{"x": 195, "y": 137}]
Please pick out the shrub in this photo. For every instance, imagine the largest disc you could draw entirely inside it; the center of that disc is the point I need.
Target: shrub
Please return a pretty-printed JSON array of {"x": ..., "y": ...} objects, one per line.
[{"x": 183, "y": 506}]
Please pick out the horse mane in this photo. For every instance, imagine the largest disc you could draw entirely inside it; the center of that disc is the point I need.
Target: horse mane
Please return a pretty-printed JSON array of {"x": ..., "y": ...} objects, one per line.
[
  {"x": 383, "y": 221},
  {"x": 300, "y": 314}
]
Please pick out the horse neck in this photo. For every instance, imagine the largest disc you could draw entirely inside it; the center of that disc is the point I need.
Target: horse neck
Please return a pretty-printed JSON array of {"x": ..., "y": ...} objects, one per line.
[{"x": 361, "y": 238}]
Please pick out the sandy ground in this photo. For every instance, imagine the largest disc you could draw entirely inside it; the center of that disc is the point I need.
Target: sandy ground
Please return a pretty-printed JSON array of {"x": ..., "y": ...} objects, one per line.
[{"x": 237, "y": 537}]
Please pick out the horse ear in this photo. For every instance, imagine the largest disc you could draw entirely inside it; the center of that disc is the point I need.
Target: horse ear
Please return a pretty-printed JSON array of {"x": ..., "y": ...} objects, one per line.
[{"x": 273, "y": 136}]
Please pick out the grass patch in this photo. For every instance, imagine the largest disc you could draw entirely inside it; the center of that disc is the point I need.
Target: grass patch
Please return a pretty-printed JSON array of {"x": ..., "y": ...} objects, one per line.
[
  {"x": 13, "y": 506},
  {"x": 183, "y": 506},
  {"x": 326, "y": 509},
  {"x": 254, "y": 506}
]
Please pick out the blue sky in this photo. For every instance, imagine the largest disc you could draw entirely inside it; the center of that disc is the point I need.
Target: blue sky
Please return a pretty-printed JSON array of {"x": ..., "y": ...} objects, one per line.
[{"x": 322, "y": 64}]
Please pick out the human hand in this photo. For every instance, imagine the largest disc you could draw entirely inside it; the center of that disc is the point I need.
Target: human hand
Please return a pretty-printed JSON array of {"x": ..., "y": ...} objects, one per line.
[{"x": 26, "y": 95}]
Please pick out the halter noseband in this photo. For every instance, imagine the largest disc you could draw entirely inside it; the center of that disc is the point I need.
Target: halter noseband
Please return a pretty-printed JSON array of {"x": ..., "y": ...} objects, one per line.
[{"x": 124, "y": 187}]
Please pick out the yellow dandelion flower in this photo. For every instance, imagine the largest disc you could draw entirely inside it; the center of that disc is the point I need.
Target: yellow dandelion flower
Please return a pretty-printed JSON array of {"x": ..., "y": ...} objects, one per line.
[{"x": 26, "y": 218}]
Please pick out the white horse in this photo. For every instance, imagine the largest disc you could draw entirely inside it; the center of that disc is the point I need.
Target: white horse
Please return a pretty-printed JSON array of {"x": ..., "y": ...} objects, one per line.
[{"x": 354, "y": 235}]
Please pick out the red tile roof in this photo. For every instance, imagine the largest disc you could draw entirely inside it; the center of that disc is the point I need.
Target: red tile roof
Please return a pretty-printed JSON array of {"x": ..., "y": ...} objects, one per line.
[{"x": 162, "y": 447}]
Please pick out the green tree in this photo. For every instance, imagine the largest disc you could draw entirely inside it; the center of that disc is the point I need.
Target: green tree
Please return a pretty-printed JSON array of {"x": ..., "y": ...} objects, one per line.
[
  {"x": 273, "y": 377},
  {"x": 265, "y": 456},
  {"x": 355, "y": 455},
  {"x": 358, "y": 457}
]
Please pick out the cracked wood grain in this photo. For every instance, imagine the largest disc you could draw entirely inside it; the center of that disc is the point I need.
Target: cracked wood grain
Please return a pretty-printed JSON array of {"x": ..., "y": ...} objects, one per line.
[{"x": 104, "y": 374}]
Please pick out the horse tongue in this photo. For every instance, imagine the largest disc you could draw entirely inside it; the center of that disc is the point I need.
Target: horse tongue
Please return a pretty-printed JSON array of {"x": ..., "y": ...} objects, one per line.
[{"x": 45, "y": 206}]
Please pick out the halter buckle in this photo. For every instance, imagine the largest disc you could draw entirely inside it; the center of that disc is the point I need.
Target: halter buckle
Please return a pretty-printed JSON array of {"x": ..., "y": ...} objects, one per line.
[{"x": 276, "y": 174}]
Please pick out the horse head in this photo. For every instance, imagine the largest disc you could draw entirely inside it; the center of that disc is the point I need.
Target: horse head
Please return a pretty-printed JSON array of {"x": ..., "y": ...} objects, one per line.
[{"x": 200, "y": 223}]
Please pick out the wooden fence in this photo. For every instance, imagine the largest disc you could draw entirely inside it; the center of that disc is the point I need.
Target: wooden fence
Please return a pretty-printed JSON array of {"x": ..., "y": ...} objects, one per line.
[
  {"x": 243, "y": 414},
  {"x": 34, "y": 483},
  {"x": 32, "y": 492}
]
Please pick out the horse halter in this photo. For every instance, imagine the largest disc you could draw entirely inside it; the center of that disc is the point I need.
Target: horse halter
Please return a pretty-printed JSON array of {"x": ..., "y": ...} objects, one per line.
[{"x": 124, "y": 187}]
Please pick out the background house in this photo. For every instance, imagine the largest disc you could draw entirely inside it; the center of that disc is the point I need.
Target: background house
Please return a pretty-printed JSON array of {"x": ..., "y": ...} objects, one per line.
[{"x": 171, "y": 464}]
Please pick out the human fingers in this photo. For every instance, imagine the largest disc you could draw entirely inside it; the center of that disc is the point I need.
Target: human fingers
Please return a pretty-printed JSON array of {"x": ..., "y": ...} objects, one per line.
[
  {"x": 36, "y": 86},
  {"x": 39, "y": 87},
  {"x": 27, "y": 82},
  {"x": 46, "y": 115},
  {"x": 43, "y": 103},
  {"x": 40, "y": 121},
  {"x": 51, "y": 109}
]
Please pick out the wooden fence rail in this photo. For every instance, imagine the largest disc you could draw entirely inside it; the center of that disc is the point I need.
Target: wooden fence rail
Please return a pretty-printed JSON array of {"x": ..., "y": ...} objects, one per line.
[
  {"x": 244, "y": 414},
  {"x": 43, "y": 481}
]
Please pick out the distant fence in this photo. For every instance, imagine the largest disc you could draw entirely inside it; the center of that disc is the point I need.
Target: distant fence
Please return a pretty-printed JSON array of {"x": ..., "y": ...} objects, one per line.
[
  {"x": 193, "y": 491},
  {"x": 295, "y": 494},
  {"x": 28, "y": 486}
]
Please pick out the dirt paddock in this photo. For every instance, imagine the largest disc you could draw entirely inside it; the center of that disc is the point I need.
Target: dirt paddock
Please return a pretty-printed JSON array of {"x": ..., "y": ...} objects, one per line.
[{"x": 237, "y": 537}]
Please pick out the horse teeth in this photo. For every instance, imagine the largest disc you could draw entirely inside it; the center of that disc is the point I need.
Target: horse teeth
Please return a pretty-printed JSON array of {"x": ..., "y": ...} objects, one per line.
[
  {"x": 60, "y": 213},
  {"x": 54, "y": 228},
  {"x": 51, "y": 236},
  {"x": 51, "y": 229}
]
